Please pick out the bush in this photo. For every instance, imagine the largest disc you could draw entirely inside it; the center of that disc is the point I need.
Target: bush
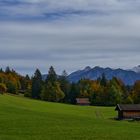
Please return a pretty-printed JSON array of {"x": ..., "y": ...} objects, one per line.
[
  {"x": 3, "y": 88},
  {"x": 27, "y": 94},
  {"x": 12, "y": 88}
]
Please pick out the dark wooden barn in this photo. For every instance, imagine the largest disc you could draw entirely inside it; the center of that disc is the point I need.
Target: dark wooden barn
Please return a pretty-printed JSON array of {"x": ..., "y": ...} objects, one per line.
[
  {"x": 128, "y": 111},
  {"x": 82, "y": 101}
]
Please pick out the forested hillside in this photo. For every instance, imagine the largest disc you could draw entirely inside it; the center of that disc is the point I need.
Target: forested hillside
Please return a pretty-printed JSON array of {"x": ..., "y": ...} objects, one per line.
[{"x": 59, "y": 89}]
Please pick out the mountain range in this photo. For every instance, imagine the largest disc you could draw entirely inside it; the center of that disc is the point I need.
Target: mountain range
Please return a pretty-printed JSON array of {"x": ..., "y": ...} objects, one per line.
[
  {"x": 129, "y": 77},
  {"x": 136, "y": 69}
]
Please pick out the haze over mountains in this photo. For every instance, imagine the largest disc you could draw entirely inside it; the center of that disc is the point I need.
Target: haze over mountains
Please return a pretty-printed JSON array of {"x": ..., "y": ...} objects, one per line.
[
  {"x": 136, "y": 69},
  {"x": 127, "y": 76}
]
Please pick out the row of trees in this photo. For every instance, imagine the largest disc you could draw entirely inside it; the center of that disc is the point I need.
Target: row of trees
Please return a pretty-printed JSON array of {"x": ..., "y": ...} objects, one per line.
[
  {"x": 12, "y": 82},
  {"x": 56, "y": 88},
  {"x": 48, "y": 89},
  {"x": 100, "y": 92}
]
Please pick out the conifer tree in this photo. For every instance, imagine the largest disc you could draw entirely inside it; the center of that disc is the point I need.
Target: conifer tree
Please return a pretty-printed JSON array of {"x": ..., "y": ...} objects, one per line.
[
  {"x": 64, "y": 84},
  {"x": 51, "y": 77},
  {"x": 36, "y": 84},
  {"x": 7, "y": 70},
  {"x": 51, "y": 90},
  {"x": 103, "y": 81}
]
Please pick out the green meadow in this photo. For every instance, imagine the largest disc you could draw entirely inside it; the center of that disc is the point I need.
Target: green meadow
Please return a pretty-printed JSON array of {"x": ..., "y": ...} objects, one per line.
[{"x": 26, "y": 119}]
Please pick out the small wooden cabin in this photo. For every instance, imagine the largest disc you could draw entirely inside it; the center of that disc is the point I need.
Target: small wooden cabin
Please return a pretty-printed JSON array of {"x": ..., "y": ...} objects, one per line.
[
  {"x": 82, "y": 101},
  {"x": 128, "y": 111}
]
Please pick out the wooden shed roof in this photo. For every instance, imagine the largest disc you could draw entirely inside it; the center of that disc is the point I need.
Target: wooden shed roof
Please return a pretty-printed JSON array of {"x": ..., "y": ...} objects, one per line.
[
  {"x": 83, "y": 100},
  {"x": 128, "y": 107}
]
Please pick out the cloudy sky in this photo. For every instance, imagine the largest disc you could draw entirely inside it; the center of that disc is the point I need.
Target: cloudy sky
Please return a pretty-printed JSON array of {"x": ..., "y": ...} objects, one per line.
[{"x": 69, "y": 34}]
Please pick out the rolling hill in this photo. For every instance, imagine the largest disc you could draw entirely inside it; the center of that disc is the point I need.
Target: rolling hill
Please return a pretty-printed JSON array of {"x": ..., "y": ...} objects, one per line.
[{"x": 26, "y": 119}]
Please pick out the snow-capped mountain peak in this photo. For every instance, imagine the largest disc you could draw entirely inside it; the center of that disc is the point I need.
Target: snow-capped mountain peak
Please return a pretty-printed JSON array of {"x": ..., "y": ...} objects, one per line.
[{"x": 136, "y": 69}]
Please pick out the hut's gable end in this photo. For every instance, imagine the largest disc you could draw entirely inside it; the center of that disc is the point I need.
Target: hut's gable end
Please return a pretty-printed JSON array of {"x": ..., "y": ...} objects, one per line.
[
  {"x": 82, "y": 101},
  {"x": 128, "y": 111}
]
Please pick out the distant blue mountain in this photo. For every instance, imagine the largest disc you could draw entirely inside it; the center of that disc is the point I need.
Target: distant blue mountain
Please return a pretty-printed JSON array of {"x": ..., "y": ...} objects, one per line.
[
  {"x": 44, "y": 77},
  {"x": 129, "y": 77}
]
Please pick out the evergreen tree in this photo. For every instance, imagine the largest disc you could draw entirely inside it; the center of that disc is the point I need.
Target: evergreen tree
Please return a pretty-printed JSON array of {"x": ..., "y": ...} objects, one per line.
[
  {"x": 103, "y": 81},
  {"x": 1, "y": 70},
  {"x": 64, "y": 84},
  {"x": 36, "y": 84},
  {"x": 25, "y": 82},
  {"x": 114, "y": 95},
  {"x": 73, "y": 93},
  {"x": 27, "y": 77},
  {"x": 52, "y": 92},
  {"x": 7, "y": 70},
  {"x": 51, "y": 89},
  {"x": 51, "y": 77},
  {"x": 135, "y": 94}
]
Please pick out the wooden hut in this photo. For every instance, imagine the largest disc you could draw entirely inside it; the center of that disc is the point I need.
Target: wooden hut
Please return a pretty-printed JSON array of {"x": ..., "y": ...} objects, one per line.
[
  {"x": 128, "y": 111},
  {"x": 82, "y": 101}
]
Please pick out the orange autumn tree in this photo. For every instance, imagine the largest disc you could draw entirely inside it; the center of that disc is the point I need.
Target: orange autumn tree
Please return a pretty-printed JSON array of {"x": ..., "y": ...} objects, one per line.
[
  {"x": 12, "y": 80},
  {"x": 3, "y": 88}
]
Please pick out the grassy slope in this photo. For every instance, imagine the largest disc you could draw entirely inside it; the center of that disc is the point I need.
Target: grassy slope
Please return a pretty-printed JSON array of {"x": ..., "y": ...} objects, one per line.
[{"x": 25, "y": 119}]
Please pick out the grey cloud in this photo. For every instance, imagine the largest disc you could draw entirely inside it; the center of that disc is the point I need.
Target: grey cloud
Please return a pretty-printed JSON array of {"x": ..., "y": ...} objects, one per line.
[
  {"x": 35, "y": 8},
  {"x": 73, "y": 41}
]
